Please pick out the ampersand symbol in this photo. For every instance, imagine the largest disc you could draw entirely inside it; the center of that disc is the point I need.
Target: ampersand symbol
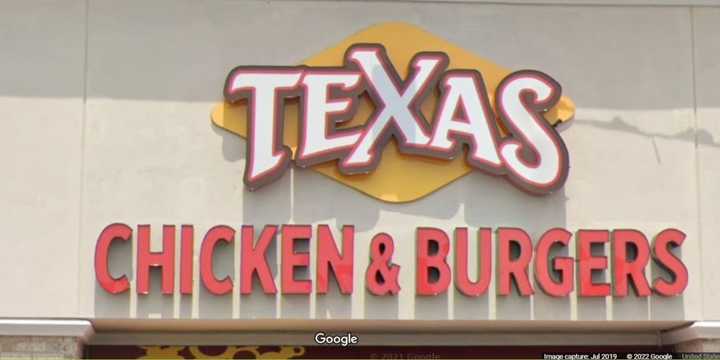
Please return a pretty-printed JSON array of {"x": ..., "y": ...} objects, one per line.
[{"x": 382, "y": 275}]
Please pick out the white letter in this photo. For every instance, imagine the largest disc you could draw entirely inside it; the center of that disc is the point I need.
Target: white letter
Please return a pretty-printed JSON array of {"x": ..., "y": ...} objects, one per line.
[
  {"x": 320, "y": 338},
  {"x": 465, "y": 90},
  {"x": 397, "y": 108},
  {"x": 319, "y": 140},
  {"x": 522, "y": 97},
  {"x": 267, "y": 156}
]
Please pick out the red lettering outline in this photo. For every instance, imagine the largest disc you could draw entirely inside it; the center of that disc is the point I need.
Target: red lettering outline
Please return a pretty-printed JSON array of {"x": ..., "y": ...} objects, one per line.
[
  {"x": 535, "y": 109},
  {"x": 390, "y": 130},
  {"x": 281, "y": 94}
]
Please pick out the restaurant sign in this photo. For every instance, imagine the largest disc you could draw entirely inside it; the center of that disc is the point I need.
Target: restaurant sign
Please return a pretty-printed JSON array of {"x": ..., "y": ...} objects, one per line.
[
  {"x": 631, "y": 255},
  {"x": 397, "y": 113}
]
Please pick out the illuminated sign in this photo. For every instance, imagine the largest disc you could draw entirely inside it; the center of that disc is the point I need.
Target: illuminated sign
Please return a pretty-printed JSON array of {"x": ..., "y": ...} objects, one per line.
[
  {"x": 446, "y": 111},
  {"x": 632, "y": 253}
]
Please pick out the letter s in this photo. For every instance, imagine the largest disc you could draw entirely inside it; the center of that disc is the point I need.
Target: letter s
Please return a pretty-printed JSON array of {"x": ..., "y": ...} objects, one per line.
[{"x": 535, "y": 154}]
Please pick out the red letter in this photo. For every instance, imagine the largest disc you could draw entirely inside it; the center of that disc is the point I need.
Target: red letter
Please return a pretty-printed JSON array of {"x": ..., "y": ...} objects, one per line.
[
  {"x": 462, "y": 279},
  {"x": 291, "y": 259},
  {"x": 164, "y": 259},
  {"x": 622, "y": 267},
  {"x": 253, "y": 259},
  {"x": 426, "y": 261},
  {"x": 102, "y": 273},
  {"x": 207, "y": 249},
  {"x": 666, "y": 259},
  {"x": 329, "y": 257},
  {"x": 518, "y": 268},
  {"x": 587, "y": 263},
  {"x": 186, "y": 259},
  {"x": 562, "y": 264}
]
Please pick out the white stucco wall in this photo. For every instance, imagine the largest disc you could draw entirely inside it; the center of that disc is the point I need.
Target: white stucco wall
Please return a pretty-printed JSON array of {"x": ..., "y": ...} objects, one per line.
[{"x": 104, "y": 117}]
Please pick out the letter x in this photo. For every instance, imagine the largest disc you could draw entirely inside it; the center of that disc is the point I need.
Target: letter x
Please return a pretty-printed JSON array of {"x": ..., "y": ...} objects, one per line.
[{"x": 397, "y": 110}]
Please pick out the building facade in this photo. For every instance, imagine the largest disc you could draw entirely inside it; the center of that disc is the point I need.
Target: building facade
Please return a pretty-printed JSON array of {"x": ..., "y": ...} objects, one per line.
[{"x": 133, "y": 197}]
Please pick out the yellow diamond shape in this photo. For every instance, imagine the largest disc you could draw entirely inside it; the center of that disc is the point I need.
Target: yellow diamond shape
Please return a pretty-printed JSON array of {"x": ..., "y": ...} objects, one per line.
[{"x": 398, "y": 177}]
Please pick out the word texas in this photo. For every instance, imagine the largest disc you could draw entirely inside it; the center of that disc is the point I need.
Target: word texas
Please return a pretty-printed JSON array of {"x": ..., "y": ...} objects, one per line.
[{"x": 532, "y": 156}]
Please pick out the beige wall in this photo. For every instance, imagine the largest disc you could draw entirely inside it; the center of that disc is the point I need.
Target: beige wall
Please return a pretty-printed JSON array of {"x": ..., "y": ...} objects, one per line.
[
  {"x": 105, "y": 117},
  {"x": 707, "y": 70},
  {"x": 41, "y": 148}
]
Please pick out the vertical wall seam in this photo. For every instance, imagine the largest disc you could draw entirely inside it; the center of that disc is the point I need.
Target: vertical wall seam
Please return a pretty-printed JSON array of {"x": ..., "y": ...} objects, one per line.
[
  {"x": 81, "y": 195},
  {"x": 698, "y": 207}
]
